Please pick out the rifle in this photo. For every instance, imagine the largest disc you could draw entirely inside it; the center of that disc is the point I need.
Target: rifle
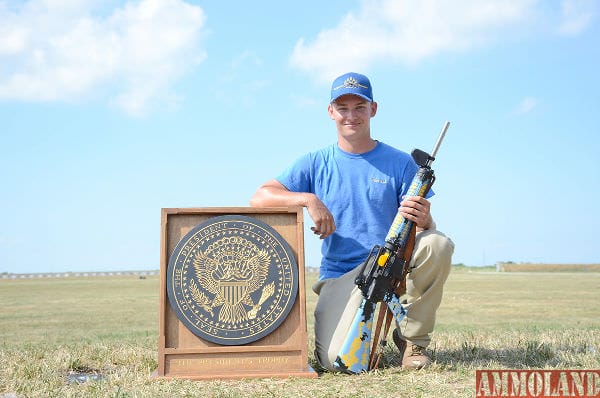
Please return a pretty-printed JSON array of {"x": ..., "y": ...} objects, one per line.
[{"x": 382, "y": 277}]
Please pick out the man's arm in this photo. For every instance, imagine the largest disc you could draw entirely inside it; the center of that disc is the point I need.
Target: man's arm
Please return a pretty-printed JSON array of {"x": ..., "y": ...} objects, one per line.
[{"x": 274, "y": 194}]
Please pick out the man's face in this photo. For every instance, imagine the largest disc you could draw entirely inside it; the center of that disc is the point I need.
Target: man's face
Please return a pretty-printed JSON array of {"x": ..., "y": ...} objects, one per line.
[{"x": 352, "y": 116}]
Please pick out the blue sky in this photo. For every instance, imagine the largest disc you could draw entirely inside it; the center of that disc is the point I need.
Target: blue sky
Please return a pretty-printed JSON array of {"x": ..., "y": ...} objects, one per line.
[{"x": 112, "y": 110}]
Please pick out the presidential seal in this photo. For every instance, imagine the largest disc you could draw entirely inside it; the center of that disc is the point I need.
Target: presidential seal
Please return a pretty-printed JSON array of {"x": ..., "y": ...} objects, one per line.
[{"x": 232, "y": 280}]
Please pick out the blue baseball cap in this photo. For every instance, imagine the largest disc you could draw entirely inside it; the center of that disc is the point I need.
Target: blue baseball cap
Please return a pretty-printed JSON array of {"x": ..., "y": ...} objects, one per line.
[{"x": 352, "y": 83}]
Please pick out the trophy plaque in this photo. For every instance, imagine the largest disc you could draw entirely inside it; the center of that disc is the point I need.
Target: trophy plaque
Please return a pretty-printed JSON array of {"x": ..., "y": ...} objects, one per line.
[{"x": 232, "y": 298}]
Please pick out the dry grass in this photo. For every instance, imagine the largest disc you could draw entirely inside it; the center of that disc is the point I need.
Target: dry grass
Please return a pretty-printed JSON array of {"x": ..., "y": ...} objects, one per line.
[
  {"x": 50, "y": 329},
  {"x": 529, "y": 267}
]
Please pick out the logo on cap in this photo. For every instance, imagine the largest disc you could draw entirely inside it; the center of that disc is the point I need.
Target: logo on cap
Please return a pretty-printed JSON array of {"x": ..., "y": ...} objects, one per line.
[{"x": 350, "y": 82}]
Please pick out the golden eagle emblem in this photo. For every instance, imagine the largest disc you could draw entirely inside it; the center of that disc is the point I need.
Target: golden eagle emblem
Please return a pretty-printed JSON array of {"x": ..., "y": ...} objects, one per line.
[{"x": 231, "y": 270}]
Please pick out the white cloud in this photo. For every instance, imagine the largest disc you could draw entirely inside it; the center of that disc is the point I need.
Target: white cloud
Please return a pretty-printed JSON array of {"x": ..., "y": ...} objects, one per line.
[
  {"x": 406, "y": 31},
  {"x": 527, "y": 105},
  {"x": 576, "y": 16},
  {"x": 60, "y": 50}
]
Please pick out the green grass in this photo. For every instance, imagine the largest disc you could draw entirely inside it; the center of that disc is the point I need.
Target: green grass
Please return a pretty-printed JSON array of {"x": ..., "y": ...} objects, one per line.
[{"x": 50, "y": 328}]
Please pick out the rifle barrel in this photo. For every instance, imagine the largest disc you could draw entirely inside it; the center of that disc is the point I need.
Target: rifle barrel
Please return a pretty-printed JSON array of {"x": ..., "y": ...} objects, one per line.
[{"x": 439, "y": 140}]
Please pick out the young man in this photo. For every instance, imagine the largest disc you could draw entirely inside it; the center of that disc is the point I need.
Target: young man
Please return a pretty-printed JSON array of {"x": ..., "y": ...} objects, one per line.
[{"x": 352, "y": 191}]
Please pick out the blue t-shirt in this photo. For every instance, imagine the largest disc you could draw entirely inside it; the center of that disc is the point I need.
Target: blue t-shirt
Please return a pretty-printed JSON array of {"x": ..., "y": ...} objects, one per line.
[{"x": 362, "y": 192}]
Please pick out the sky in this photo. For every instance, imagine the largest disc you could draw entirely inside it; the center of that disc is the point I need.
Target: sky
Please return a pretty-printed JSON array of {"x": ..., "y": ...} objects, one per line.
[{"x": 112, "y": 110}]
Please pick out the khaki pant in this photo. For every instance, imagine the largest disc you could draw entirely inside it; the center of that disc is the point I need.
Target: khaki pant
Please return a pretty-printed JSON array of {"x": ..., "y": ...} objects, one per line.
[{"x": 339, "y": 298}]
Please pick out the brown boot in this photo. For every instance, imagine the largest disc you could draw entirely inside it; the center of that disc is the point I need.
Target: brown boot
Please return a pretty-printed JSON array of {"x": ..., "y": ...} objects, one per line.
[{"x": 413, "y": 356}]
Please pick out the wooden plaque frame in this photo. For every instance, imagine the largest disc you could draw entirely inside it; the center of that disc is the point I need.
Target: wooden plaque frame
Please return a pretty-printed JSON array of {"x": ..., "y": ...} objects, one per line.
[{"x": 282, "y": 353}]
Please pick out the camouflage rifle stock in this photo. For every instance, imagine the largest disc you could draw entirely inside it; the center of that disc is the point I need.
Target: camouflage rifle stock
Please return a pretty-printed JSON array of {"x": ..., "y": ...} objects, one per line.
[{"x": 384, "y": 271}]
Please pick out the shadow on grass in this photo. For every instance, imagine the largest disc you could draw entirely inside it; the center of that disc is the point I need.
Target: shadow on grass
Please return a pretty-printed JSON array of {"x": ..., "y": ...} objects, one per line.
[{"x": 532, "y": 354}]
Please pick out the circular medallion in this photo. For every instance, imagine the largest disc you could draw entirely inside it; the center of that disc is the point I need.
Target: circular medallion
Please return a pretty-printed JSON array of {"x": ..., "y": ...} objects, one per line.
[{"x": 232, "y": 280}]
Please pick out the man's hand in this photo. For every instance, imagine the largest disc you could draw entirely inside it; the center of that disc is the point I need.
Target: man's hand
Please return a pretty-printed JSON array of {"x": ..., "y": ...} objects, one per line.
[
  {"x": 273, "y": 193},
  {"x": 321, "y": 216},
  {"x": 417, "y": 209}
]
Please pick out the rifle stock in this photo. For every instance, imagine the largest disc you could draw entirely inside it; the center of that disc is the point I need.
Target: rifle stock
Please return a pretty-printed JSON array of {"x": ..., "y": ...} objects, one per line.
[{"x": 382, "y": 278}]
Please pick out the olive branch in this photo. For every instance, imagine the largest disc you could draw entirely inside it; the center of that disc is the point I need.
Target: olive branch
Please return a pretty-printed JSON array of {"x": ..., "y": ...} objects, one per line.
[
  {"x": 200, "y": 298},
  {"x": 266, "y": 293}
]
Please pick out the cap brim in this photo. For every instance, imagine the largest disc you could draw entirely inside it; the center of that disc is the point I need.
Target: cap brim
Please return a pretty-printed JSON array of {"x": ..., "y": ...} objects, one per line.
[{"x": 351, "y": 93}]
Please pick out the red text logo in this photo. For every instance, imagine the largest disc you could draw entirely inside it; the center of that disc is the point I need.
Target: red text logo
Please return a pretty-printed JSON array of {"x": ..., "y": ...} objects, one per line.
[{"x": 537, "y": 383}]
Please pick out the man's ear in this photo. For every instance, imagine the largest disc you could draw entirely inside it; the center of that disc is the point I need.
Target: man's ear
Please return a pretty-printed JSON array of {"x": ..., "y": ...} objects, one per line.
[
  {"x": 373, "y": 108},
  {"x": 330, "y": 111}
]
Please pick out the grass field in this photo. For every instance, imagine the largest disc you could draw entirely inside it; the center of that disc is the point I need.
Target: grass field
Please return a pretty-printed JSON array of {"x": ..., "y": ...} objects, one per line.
[
  {"x": 528, "y": 267},
  {"x": 51, "y": 329}
]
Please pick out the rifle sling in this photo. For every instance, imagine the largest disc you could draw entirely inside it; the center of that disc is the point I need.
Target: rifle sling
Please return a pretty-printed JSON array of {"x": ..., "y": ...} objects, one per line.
[{"x": 384, "y": 312}]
